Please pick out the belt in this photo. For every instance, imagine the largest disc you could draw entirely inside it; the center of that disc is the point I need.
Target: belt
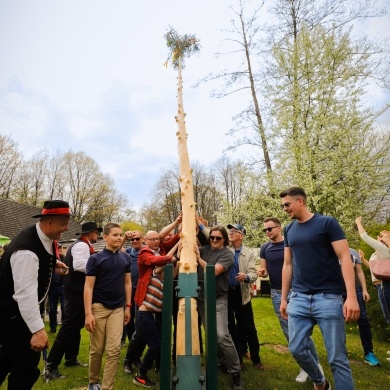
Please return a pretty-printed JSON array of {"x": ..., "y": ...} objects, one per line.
[{"x": 377, "y": 282}]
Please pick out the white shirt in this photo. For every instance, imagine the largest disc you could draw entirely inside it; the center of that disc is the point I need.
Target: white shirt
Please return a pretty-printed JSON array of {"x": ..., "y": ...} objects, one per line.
[
  {"x": 80, "y": 253},
  {"x": 25, "y": 265}
]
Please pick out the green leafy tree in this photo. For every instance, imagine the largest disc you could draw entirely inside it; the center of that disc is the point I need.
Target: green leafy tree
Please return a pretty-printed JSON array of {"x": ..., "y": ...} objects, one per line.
[{"x": 330, "y": 145}]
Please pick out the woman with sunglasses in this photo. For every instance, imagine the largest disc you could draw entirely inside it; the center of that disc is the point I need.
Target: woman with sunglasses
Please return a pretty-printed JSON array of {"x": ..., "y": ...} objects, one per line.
[{"x": 218, "y": 254}]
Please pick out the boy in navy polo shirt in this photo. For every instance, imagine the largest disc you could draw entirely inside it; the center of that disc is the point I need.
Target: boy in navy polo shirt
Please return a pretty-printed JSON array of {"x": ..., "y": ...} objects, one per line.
[{"x": 107, "y": 291}]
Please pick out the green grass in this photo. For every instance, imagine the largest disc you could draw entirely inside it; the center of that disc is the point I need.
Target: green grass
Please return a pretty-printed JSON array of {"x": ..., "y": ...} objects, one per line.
[{"x": 280, "y": 367}]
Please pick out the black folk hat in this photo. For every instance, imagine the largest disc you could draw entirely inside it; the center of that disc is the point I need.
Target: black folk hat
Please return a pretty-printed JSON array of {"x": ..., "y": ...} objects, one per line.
[
  {"x": 89, "y": 227},
  {"x": 54, "y": 207}
]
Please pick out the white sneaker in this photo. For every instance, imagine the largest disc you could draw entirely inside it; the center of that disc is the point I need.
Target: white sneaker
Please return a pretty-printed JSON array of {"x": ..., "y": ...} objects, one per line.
[{"x": 302, "y": 376}]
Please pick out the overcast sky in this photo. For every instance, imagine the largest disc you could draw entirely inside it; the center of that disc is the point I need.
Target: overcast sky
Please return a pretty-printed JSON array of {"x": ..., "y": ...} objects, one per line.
[{"x": 88, "y": 75}]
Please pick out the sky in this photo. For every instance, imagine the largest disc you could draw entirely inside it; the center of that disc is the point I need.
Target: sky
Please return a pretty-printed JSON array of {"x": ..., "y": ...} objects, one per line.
[{"x": 88, "y": 76}]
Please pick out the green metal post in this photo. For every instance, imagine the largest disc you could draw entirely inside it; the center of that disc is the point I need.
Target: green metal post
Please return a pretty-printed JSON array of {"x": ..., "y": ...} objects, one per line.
[
  {"x": 166, "y": 331},
  {"x": 188, "y": 371},
  {"x": 211, "y": 328}
]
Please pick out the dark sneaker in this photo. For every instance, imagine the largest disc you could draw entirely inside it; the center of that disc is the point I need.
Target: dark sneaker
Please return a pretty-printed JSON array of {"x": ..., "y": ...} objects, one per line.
[
  {"x": 258, "y": 366},
  {"x": 128, "y": 369},
  {"x": 94, "y": 386},
  {"x": 237, "y": 381},
  {"x": 143, "y": 381},
  {"x": 327, "y": 386},
  {"x": 53, "y": 374},
  {"x": 222, "y": 368},
  {"x": 74, "y": 363}
]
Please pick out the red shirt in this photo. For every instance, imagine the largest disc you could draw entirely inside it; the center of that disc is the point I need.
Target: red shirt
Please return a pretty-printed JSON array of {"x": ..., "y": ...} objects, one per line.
[{"x": 147, "y": 260}]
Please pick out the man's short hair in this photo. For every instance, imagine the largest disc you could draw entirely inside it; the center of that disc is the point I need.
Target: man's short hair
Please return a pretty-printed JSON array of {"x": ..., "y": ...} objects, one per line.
[
  {"x": 293, "y": 191},
  {"x": 107, "y": 228},
  {"x": 272, "y": 219}
]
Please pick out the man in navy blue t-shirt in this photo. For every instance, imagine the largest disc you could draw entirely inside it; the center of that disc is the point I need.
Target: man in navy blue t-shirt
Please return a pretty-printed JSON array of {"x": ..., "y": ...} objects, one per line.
[
  {"x": 272, "y": 258},
  {"x": 314, "y": 244}
]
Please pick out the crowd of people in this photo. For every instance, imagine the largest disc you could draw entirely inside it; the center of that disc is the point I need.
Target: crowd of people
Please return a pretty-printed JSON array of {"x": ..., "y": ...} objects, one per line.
[{"x": 315, "y": 278}]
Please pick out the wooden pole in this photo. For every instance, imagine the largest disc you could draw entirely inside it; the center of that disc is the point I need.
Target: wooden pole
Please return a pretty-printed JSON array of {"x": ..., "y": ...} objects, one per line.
[{"x": 187, "y": 339}]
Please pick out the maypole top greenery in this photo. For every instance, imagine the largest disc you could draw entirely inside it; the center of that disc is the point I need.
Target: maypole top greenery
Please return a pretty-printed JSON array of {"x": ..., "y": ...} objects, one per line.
[{"x": 180, "y": 47}]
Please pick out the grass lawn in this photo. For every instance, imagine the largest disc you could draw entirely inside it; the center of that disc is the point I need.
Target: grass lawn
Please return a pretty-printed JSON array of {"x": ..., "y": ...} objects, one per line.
[{"x": 280, "y": 367}]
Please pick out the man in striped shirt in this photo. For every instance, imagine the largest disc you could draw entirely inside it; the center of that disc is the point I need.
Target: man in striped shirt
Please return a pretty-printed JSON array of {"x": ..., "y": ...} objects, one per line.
[{"x": 148, "y": 324}]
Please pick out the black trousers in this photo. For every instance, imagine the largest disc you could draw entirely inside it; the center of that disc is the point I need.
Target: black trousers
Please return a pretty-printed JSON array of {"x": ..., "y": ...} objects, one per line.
[
  {"x": 242, "y": 325},
  {"x": 16, "y": 356},
  {"x": 68, "y": 337},
  {"x": 137, "y": 343},
  {"x": 130, "y": 327}
]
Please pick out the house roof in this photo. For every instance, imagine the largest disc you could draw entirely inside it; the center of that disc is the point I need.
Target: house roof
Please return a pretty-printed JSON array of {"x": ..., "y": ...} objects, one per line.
[{"x": 15, "y": 216}]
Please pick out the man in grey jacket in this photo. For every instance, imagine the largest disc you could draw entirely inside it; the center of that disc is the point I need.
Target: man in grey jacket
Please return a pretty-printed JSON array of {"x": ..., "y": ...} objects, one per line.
[{"x": 242, "y": 274}]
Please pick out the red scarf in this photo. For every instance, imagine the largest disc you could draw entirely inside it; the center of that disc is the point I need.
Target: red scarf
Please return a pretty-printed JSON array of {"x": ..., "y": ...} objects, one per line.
[
  {"x": 91, "y": 250},
  {"x": 56, "y": 250}
]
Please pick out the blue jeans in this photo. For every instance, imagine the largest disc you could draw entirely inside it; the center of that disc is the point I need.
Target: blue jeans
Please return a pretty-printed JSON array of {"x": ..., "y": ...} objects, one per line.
[
  {"x": 384, "y": 299},
  {"x": 276, "y": 296},
  {"x": 326, "y": 310},
  {"x": 55, "y": 293}
]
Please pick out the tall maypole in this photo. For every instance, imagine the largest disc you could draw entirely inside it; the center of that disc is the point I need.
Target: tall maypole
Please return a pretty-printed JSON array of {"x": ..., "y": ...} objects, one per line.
[{"x": 187, "y": 342}]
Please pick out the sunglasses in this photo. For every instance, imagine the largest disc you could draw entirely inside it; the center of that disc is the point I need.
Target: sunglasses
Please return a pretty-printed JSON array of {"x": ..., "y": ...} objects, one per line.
[
  {"x": 288, "y": 204},
  {"x": 218, "y": 238},
  {"x": 269, "y": 229},
  {"x": 135, "y": 239}
]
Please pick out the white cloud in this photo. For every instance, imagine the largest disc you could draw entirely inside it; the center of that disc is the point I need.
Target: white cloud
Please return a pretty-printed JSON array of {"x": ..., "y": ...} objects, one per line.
[{"x": 88, "y": 75}]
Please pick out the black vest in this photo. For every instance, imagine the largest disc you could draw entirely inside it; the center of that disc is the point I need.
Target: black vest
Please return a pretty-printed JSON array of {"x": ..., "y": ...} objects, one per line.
[
  {"x": 74, "y": 280},
  {"x": 27, "y": 239}
]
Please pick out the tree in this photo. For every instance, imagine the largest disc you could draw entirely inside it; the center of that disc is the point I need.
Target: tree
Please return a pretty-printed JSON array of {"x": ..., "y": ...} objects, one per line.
[
  {"x": 330, "y": 146},
  {"x": 30, "y": 180},
  {"x": 295, "y": 16},
  {"x": 71, "y": 176},
  {"x": 10, "y": 161},
  {"x": 56, "y": 181},
  {"x": 244, "y": 38},
  {"x": 166, "y": 198},
  {"x": 105, "y": 203}
]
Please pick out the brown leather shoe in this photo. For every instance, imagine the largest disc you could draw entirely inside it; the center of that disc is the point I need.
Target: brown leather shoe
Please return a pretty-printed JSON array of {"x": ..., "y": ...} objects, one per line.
[
  {"x": 247, "y": 355},
  {"x": 258, "y": 366}
]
